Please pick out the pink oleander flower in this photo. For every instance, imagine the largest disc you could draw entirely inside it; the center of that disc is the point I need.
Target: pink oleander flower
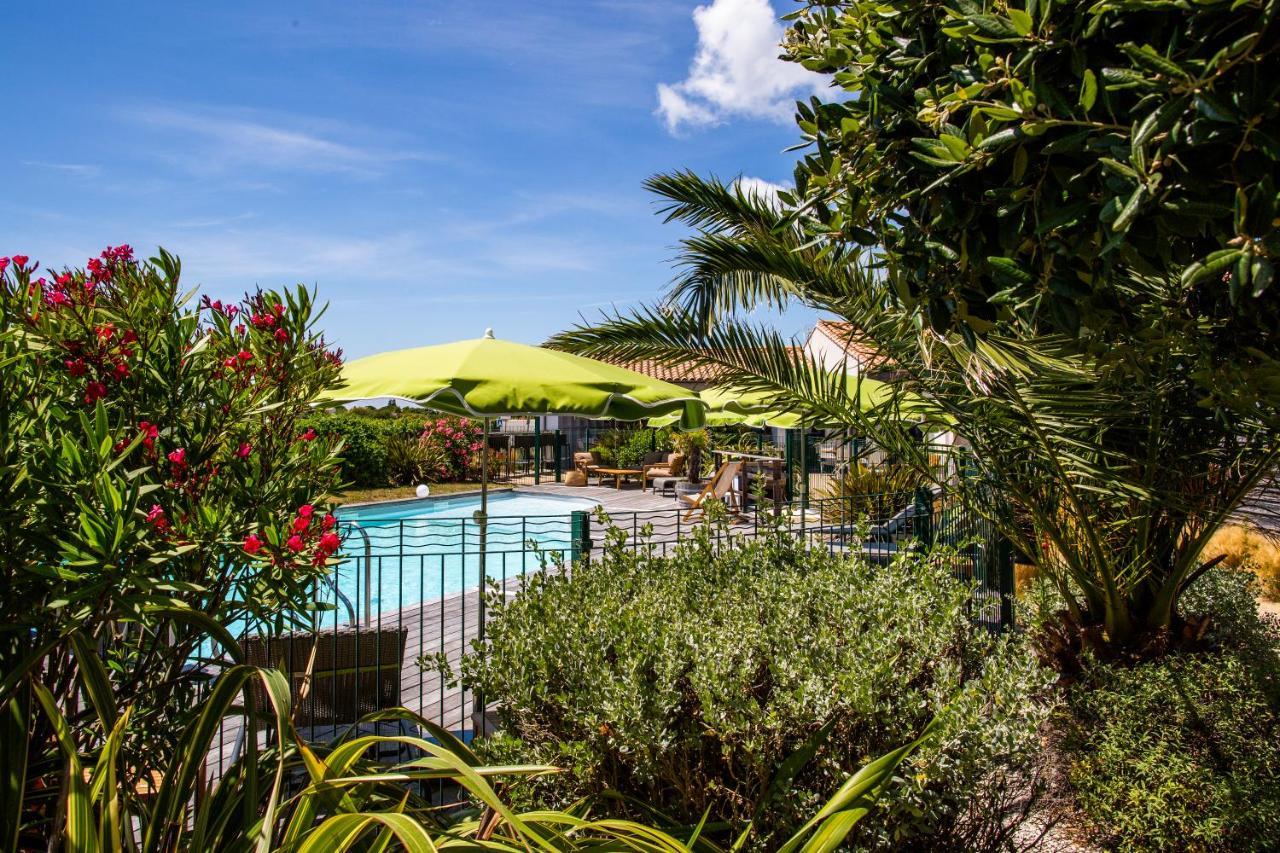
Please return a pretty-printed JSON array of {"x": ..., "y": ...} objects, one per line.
[
  {"x": 252, "y": 544},
  {"x": 306, "y": 510},
  {"x": 295, "y": 543},
  {"x": 178, "y": 457},
  {"x": 244, "y": 450}
]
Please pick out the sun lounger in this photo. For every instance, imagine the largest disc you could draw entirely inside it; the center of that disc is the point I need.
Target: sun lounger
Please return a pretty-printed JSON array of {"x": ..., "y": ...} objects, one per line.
[{"x": 719, "y": 487}]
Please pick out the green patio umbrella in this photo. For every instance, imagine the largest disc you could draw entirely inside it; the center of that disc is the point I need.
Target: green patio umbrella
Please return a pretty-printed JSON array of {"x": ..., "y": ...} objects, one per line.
[
  {"x": 730, "y": 406},
  {"x": 486, "y": 378}
]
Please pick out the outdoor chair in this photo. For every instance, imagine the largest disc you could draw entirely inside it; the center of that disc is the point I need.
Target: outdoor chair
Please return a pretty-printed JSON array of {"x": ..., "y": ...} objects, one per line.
[
  {"x": 671, "y": 465},
  {"x": 336, "y": 677},
  {"x": 719, "y": 487},
  {"x": 588, "y": 462}
]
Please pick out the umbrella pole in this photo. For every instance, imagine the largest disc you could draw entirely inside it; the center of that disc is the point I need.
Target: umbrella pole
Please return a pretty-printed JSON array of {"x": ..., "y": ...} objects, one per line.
[{"x": 482, "y": 517}]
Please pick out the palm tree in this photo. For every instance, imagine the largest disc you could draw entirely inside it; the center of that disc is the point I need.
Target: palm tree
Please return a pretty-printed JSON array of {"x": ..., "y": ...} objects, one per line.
[{"x": 1100, "y": 461}]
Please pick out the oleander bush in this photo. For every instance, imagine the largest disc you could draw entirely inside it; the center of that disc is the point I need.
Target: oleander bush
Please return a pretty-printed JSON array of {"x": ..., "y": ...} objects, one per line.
[
  {"x": 747, "y": 682},
  {"x": 160, "y": 484}
]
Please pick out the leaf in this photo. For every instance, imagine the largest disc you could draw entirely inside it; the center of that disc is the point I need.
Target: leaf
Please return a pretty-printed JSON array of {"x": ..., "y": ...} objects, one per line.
[
  {"x": 1008, "y": 268},
  {"x": 1147, "y": 57},
  {"x": 1021, "y": 21},
  {"x": 81, "y": 833},
  {"x": 1129, "y": 211},
  {"x": 1212, "y": 266},
  {"x": 1088, "y": 90}
]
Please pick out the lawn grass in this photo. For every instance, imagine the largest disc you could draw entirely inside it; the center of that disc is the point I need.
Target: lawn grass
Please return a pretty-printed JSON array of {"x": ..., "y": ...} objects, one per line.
[{"x": 399, "y": 493}]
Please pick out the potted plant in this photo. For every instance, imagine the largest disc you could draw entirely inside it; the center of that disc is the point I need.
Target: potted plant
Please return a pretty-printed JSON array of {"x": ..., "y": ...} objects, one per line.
[{"x": 691, "y": 444}]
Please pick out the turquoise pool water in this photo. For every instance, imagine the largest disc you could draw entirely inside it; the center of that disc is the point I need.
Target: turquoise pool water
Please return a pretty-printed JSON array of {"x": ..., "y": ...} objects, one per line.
[{"x": 425, "y": 549}]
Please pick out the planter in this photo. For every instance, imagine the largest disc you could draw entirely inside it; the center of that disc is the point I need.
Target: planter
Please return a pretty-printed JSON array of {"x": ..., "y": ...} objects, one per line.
[{"x": 685, "y": 488}]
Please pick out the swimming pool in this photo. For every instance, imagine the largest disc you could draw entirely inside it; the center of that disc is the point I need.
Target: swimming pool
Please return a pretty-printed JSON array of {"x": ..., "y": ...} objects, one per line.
[{"x": 425, "y": 549}]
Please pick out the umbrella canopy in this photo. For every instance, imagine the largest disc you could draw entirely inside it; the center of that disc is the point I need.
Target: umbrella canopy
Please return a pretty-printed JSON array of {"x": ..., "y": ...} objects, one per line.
[{"x": 486, "y": 378}]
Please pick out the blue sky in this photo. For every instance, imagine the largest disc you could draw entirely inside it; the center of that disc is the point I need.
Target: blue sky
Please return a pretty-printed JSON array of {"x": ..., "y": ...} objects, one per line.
[{"x": 431, "y": 168}]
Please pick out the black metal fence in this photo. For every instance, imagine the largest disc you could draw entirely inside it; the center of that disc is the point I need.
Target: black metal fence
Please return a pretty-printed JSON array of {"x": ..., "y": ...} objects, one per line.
[
  {"x": 421, "y": 578},
  {"x": 407, "y": 597}
]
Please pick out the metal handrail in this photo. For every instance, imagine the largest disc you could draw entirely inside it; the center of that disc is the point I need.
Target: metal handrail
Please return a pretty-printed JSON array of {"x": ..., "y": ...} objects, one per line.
[{"x": 368, "y": 570}]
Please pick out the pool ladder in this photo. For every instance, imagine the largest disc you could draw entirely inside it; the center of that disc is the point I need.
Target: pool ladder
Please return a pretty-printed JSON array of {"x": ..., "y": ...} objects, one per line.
[{"x": 368, "y": 579}]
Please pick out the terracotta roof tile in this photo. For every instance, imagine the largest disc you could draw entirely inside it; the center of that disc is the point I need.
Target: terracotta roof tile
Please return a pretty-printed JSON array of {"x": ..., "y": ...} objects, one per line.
[
  {"x": 843, "y": 334},
  {"x": 680, "y": 374}
]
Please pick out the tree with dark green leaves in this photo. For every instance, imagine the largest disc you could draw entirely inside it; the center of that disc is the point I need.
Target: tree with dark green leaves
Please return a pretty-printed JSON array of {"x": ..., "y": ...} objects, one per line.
[{"x": 1057, "y": 224}]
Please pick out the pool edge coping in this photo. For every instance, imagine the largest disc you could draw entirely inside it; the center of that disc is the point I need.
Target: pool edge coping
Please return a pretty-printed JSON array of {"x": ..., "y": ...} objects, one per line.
[{"x": 471, "y": 493}]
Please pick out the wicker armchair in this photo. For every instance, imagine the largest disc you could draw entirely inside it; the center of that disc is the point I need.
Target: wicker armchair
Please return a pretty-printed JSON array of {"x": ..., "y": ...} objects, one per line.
[
  {"x": 336, "y": 678},
  {"x": 672, "y": 465}
]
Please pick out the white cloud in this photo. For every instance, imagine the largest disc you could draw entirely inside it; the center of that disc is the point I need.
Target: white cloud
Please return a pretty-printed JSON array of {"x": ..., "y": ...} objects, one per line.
[
  {"x": 736, "y": 71},
  {"x": 760, "y": 188},
  {"x": 79, "y": 170},
  {"x": 214, "y": 140}
]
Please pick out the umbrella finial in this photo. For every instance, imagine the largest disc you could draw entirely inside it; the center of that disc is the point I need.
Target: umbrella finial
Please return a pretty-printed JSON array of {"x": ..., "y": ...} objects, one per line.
[{"x": 488, "y": 334}]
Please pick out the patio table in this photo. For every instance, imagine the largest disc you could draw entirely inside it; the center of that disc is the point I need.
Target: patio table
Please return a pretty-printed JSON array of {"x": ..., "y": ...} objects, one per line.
[{"x": 618, "y": 474}]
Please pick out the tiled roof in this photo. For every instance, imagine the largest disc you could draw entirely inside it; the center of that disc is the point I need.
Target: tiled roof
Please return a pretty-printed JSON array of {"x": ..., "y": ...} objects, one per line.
[
  {"x": 843, "y": 334},
  {"x": 680, "y": 374}
]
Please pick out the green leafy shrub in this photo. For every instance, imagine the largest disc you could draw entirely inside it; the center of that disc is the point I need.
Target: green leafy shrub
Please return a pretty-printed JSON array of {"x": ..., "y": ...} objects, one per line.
[
  {"x": 638, "y": 444},
  {"x": 688, "y": 681},
  {"x": 1178, "y": 754},
  {"x": 413, "y": 459},
  {"x": 1183, "y": 753},
  {"x": 363, "y": 452}
]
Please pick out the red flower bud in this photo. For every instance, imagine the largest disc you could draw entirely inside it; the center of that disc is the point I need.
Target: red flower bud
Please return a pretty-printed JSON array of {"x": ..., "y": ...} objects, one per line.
[
  {"x": 301, "y": 524},
  {"x": 178, "y": 457},
  {"x": 20, "y": 260},
  {"x": 282, "y": 335},
  {"x": 295, "y": 543},
  {"x": 244, "y": 355},
  {"x": 306, "y": 510},
  {"x": 309, "y": 435},
  {"x": 329, "y": 542},
  {"x": 244, "y": 450},
  {"x": 252, "y": 544},
  {"x": 75, "y": 366},
  {"x": 328, "y": 521}
]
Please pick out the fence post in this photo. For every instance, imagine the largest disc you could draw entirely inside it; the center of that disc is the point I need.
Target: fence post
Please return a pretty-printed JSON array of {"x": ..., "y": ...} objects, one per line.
[
  {"x": 1004, "y": 554},
  {"x": 924, "y": 516},
  {"x": 557, "y": 457},
  {"x": 537, "y": 450},
  {"x": 579, "y": 535}
]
